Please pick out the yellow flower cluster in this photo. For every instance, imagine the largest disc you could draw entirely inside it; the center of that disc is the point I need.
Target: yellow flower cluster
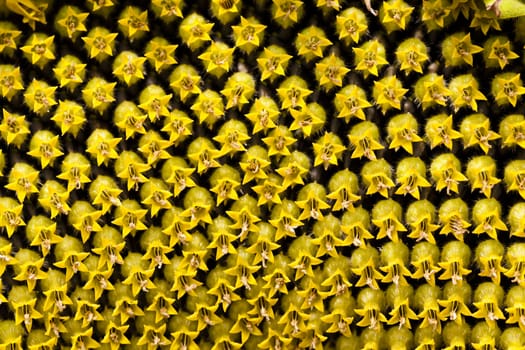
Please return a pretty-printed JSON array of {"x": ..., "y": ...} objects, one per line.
[{"x": 261, "y": 174}]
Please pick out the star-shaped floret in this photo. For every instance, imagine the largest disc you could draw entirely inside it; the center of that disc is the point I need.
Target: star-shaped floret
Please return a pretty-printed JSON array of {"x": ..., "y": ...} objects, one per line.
[
  {"x": 157, "y": 200},
  {"x": 501, "y": 51},
  {"x": 331, "y": 71},
  {"x": 440, "y": 131},
  {"x": 167, "y": 9},
  {"x": 454, "y": 223},
  {"x": 156, "y": 106},
  {"x": 312, "y": 208},
  {"x": 126, "y": 307},
  {"x": 185, "y": 81},
  {"x": 278, "y": 141},
  {"x": 154, "y": 147},
  {"x": 328, "y": 150},
  {"x": 423, "y": 228},
  {"x": 396, "y": 14},
  {"x": 133, "y": 23},
  {"x": 403, "y": 135},
  {"x": 160, "y": 53},
  {"x": 162, "y": 305},
  {"x": 195, "y": 31},
  {"x": 205, "y": 316},
  {"x": 273, "y": 62},
  {"x": 378, "y": 183},
  {"x": 369, "y": 57},
  {"x": 181, "y": 179},
  {"x": 351, "y": 102},
  {"x": 178, "y": 125},
  {"x": 485, "y": 19},
  {"x": 84, "y": 340},
  {"x": 222, "y": 243},
  {"x": 490, "y": 224},
  {"x": 99, "y": 94},
  {"x": 365, "y": 144},
  {"x": 254, "y": 169},
  {"x": 115, "y": 335},
  {"x": 99, "y": 282},
  {"x": 133, "y": 173},
  {"x": 401, "y": 315},
  {"x": 26, "y": 313},
  {"x": 39, "y": 49},
  {"x": 109, "y": 254},
  {"x": 55, "y": 202},
  {"x": 516, "y": 314},
  {"x": 129, "y": 67},
  {"x": 47, "y": 152},
  {"x": 268, "y": 191},
  {"x": 8, "y": 38},
  {"x": 11, "y": 81},
  {"x": 454, "y": 308},
  {"x": 100, "y": 43},
  {"x": 285, "y": 226},
  {"x": 76, "y": 175},
  {"x": 449, "y": 179},
  {"x": 100, "y": 5},
  {"x": 248, "y": 34},
  {"x": 412, "y": 53},
  {"x": 311, "y": 42},
  {"x": 103, "y": 149},
  {"x": 294, "y": 321},
  {"x": 425, "y": 268},
  {"x": 462, "y": 49},
  {"x": 106, "y": 198},
  {"x": 410, "y": 184},
  {"x": 287, "y": 10},
  {"x": 511, "y": 88},
  {"x": 482, "y": 136},
  {"x": 305, "y": 120},
  {"x": 205, "y": 159},
  {"x": 464, "y": 92},
  {"x": 198, "y": 213},
  {"x": 489, "y": 310},
  {"x": 226, "y": 189},
  {"x": 351, "y": 25},
  {"x": 453, "y": 270},
  {"x": 246, "y": 326},
  {"x": 14, "y": 128},
  {"x": 371, "y": 317},
  {"x": 484, "y": 180},
  {"x": 388, "y": 92},
  {"x": 73, "y": 263},
  {"x": 218, "y": 58},
  {"x": 40, "y": 97},
  {"x": 46, "y": 238},
  {"x": 87, "y": 224},
  {"x": 72, "y": 20},
  {"x": 292, "y": 174},
  {"x": 156, "y": 254},
  {"x": 30, "y": 273},
  {"x": 293, "y": 96},
  {"x": 69, "y": 116},
  {"x": 178, "y": 231},
  {"x": 435, "y": 14},
  {"x": 139, "y": 280},
  {"x": 185, "y": 338},
  {"x": 434, "y": 91},
  {"x": 389, "y": 226},
  {"x": 490, "y": 266},
  {"x": 356, "y": 234},
  {"x": 130, "y": 220}
]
